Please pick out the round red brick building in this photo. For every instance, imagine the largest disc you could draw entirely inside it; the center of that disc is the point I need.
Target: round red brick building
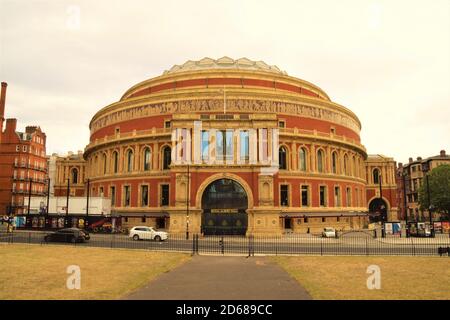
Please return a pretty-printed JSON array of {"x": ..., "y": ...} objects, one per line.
[{"x": 229, "y": 147}]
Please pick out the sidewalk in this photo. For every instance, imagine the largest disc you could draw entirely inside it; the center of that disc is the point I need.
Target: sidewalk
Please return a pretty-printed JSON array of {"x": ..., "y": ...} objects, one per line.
[{"x": 223, "y": 278}]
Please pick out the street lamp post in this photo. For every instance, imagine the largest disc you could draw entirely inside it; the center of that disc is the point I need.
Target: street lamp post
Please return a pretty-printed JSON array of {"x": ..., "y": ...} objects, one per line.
[
  {"x": 87, "y": 202},
  {"x": 67, "y": 202},
  {"x": 405, "y": 203},
  {"x": 187, "y": 204},
  {"x": 48, "y": 195},
  {"x": 426, "y": 169}
]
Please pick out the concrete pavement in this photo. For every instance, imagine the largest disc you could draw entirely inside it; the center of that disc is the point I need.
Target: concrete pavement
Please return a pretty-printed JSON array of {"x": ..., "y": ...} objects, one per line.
[{"x": 223, "y": 278}]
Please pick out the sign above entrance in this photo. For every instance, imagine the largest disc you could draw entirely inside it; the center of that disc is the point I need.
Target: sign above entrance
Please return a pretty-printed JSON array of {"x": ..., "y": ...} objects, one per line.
[{"x": 224, "y": 210}]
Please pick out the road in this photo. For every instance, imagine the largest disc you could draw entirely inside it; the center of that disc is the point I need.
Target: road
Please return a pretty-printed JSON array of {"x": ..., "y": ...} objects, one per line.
[{"x": 358, "y": 244}]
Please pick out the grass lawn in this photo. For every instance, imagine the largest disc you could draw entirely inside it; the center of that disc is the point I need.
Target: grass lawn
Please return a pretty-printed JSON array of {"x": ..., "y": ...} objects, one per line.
[
  {"x": 345, "y": 277},
  {"x": 39, "y": 272}
]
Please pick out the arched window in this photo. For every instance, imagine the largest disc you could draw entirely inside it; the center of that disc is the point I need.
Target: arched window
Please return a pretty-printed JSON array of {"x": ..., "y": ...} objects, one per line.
[
  {"x": 130, "y": 160},
  {"x": 115, "y": 161},
  {"x": 334, "y": 162},
  {"x": 346, "y": 165},
  {"x": 320, "y": 161},
  {"x": 376, "y": 176},
  {"x": 302, "y": 159},
  {"x": 96, "y": 166},
  {"x": 353, "y": 166},
  {"x": 282, "y": 158},
  {"x": 167, "y": 155},
  {"x": 147, "y": 159},
  {"x": 104, "y": 163},
  {"x": 74, "y": 176}
]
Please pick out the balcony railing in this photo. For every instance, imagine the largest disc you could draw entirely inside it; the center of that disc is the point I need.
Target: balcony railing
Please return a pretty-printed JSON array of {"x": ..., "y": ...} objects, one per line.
[{"x": 167, "y": 131}]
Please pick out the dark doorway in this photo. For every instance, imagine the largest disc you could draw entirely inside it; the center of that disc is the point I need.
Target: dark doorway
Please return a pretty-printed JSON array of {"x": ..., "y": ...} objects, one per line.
[
  {"x": 287, "y": 223},
  {"x": 224, "y": 204},
  {"x": 377, "y": 210}
]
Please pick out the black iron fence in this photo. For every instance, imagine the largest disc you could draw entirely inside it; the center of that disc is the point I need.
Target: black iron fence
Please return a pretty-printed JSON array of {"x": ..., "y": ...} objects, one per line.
[{"x": 357, "y": 243}]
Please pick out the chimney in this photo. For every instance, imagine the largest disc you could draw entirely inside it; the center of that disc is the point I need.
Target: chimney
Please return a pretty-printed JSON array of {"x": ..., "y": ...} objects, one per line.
[
  {"x": 11, "y": 125},
  {"x": 419, "y": 158},
  {"x": 443, "y": 153},
  {"x": 400, "y": 165},
  {"x": 410, "y": 160},
  {"x": 2, "y": 101}
]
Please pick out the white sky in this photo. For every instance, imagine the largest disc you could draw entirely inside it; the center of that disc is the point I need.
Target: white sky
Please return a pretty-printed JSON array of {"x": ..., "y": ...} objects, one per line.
[{"x": 388, "y": 61}]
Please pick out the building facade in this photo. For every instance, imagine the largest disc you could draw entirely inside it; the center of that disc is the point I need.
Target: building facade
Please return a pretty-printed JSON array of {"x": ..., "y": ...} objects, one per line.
[
  {"x": 23, "y": 164},
  {"x": 381, "y": 188},
  {"x": 410, "y": 178},
  {"x": 69, "y": 174},
  {"x": 231, "y": 146}
]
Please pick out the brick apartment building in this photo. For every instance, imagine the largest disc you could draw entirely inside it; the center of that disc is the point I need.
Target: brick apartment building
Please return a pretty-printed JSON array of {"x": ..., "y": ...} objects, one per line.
[
  {"x": 410, "y": 177},
  {"x": 23, "y": 164}
]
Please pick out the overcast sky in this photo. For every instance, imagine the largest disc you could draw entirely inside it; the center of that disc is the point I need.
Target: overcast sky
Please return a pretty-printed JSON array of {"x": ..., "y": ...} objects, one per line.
[{"x": 388, "y": 61}]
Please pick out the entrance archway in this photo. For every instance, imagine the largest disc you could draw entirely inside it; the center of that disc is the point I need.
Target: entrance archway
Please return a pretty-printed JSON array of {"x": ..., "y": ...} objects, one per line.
[
  {"x": 378, "y": 210},
  {"x": 224, "y": 205}
]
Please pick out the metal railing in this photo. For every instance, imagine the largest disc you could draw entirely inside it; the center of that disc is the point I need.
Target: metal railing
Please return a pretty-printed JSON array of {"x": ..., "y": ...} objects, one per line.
[{"x": 296, "y": 244}]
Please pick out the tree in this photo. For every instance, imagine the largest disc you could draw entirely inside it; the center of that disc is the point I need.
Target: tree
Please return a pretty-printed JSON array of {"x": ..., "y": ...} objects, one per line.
[{"x": 439, "y": 182}]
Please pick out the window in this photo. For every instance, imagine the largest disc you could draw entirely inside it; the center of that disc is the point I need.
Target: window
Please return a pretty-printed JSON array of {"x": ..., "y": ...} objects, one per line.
[
  {"x": 281, "y": 124},
  {"x": 264, "y": 144},
  {"x": 101, "y": 191},
  {"x": 164, "y": 195},
  {"x": 320, "y": 161},
  {"x": 104, "y": 163},
  {"x": 224, "y": 144},
  {"x": 166, "y": 157},
  {"x": 24, "y": 149},
  {"x": 144, "y": 196},
  {"x": 167, "y": 124},
  {"x": 130, "y": 160},
  {"x": 334, "y": 162},
  {"x": 333, "y": 130},
  {"x": 322, "y": 196},
  {"x": 205, "y": 145},
  {"x": 302, "y": 158},
  {"x": 245, "y": 148},
  {"x": 143, "y": 220},
  {"x": 147, "y": 159},
  {"x": 113, "y": 195},
  {"x": 116, "y": 161},
  {"x": 284, "y": 195},
  {"x": 337, "y": 196},
  {"x": 376, "y": 176},
  {"x": 348, "y": 193},
  {"x": 282, "y": 158},
  {"x": 17, "y": 148},
  {"x": 74, "y": 176},
  {"x": 127, "y": 196},
  {"x": 117, "y": 131},
  {"x": 305, "y": 196},
  {"x": 346, "y": 171}
]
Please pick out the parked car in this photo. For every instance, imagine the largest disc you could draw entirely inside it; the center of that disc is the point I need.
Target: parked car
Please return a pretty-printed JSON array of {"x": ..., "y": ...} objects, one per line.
[
  {"x": 329, "y": 233},
  {"x": 147, "y": 233},
  {"x": 72, "y": 235}
]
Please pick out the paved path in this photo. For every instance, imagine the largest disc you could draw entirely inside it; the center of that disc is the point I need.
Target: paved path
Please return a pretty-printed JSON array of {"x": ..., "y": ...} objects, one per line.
[{"x": 224, "y": 278}]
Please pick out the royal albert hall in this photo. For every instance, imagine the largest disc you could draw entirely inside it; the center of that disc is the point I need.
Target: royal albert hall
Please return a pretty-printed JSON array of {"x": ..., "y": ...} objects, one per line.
[{"x": 229, "y": 147}]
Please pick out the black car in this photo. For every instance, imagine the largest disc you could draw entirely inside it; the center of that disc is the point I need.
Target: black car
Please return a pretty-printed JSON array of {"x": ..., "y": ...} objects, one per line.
[{"x": 72, "y": 235}]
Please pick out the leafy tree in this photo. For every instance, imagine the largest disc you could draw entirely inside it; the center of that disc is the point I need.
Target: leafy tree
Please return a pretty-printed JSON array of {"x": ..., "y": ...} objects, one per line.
[{"x": 439, "y": 182}]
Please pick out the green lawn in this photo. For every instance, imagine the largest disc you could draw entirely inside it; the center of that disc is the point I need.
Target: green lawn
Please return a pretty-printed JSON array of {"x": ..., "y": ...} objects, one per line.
[
  {"x": 39, "y": 272},
  {"x": 345, "y": 277}
]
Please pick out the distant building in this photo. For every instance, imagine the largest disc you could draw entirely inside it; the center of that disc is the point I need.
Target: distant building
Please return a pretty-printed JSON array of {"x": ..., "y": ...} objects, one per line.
[
  {"x": 23, "y": 165},
  {"x": 70, "y": 171},
  {"x": 412, "y": 175},
  {"x": 380, "y": 171}
]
